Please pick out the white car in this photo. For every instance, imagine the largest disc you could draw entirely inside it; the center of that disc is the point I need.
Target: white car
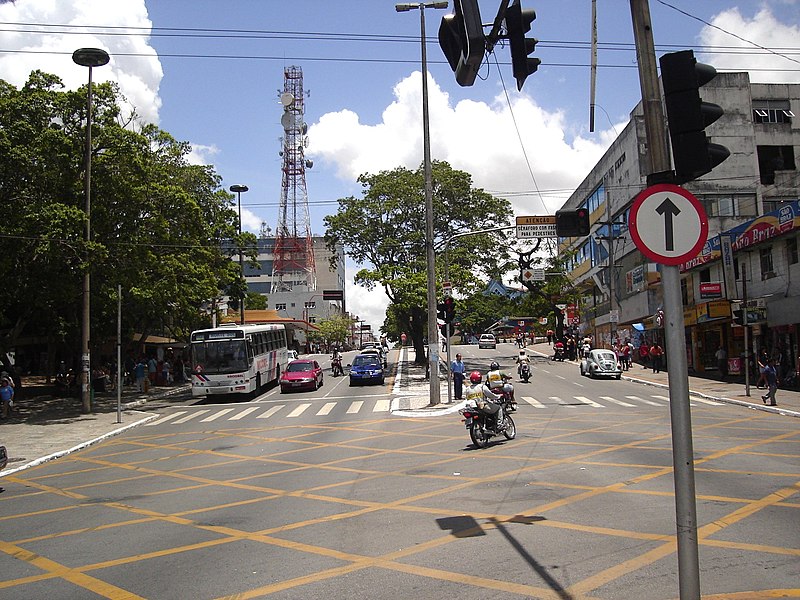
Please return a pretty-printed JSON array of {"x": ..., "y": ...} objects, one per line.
[
  {"x": 601, "y": 363},
  {"x": 487, "y": 341}
]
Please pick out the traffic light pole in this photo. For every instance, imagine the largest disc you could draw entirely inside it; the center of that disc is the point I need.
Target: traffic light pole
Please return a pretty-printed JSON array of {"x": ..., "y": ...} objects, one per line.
[{"x": 678, "y": 375}]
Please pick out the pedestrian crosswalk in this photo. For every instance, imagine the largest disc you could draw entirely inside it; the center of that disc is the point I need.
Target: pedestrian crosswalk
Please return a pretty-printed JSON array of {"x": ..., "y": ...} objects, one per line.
[
  {"x": 604, "y": 401},
  {"x": 383, "y": 405},
  {"x": 291, "y": 411}
]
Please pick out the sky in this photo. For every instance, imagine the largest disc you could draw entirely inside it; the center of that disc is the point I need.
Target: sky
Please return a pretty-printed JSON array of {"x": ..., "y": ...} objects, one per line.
[{"x": 210, "y": 73}]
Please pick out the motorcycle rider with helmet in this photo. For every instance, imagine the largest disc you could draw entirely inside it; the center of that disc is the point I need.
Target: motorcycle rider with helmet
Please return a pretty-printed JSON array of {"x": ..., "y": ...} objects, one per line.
[
  {"x": 484, "y": 398},
  {"x": 498, "y": 382},
  {"x": 523, "y": 359}
]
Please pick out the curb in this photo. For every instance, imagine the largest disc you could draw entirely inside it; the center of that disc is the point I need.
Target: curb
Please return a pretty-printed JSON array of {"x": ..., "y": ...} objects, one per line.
[{"x": 80, "y": 446}]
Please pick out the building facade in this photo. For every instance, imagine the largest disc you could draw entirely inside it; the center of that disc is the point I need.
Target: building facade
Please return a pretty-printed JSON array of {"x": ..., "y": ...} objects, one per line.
[{"x": 751, "y": 198}]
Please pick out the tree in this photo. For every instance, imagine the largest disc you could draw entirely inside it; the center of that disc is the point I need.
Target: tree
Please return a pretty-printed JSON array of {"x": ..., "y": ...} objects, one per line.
[
  {"x": 161, "y": 228},
  {"x": 384, "y": 231},
  {"x": 335, "y": 329}
]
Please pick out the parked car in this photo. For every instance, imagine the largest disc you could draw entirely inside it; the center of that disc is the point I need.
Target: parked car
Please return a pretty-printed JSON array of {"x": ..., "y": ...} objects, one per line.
[
  {"x": 601, "y": 363},
  {"x": 366, "y": 368},
  {"x": 487, "y": 340},
  {"x": 301, "y": 375}
]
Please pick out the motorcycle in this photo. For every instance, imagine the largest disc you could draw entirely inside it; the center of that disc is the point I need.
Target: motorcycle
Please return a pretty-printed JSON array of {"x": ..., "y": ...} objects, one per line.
[
  {"x": 336, "y": 367},
  {"x": 560, "y": 354},
  {"x": 525, "y": 372},
  {"x": 483, "y": 426}
]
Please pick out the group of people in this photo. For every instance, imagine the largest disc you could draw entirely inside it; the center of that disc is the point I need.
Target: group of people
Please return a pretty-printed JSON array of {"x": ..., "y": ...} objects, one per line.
[{"x": 148, "y": 371}]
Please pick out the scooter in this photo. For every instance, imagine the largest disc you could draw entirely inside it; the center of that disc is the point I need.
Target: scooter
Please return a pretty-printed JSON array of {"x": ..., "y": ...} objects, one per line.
[
  {"x": 336, "y": 367},
  {"x": 525, "y": 372},
  {"x": 560, "y": 354}
]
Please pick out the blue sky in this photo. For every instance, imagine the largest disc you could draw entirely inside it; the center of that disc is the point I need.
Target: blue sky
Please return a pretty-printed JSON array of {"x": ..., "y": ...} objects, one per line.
[{"x": 210, "y": 72}]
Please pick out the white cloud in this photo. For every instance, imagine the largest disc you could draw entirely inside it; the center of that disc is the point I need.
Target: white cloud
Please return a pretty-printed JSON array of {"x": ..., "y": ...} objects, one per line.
[
  {"x": 477, "y": 137},
  {"x": 202, "y": 155},
  {"x": 765, "y": 30},
  {"x": 50, "y": 49},
  {"x": 367, "y": 305}
]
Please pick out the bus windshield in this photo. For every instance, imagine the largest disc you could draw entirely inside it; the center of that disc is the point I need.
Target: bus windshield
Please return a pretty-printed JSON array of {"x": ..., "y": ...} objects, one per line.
[{"x": 220, "y": 357}]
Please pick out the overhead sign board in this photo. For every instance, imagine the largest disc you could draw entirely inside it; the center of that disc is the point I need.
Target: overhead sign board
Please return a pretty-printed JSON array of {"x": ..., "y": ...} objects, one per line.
[
  {"x": 533, "y": 275},
  {"x": 536, "y": 226}
]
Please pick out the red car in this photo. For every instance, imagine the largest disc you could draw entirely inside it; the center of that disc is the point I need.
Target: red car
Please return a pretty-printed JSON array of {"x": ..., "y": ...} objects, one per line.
[{"x": 300, "y": 375}]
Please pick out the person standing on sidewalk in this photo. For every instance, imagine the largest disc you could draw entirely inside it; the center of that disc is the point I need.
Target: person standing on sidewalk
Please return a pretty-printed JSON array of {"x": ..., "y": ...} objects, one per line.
[
  {"x": 6, "y": 395},
  {"x": 771, "y": 375},
  {"x": 656, "y": 352},
  {"x": 722, "y": 361},
  {"x": 458, "y": 369}
]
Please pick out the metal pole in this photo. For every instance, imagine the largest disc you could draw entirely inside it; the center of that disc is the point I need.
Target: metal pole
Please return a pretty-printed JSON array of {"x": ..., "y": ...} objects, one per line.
[
  {"x": 743, "y": 268},
  {"x": 119, "y": 353},
  {"x": 241, "y": 258},
  {"x": 433, "y": 337},
  {"x": 678, "y": 375},
  {"x": 86, "y": 399}
]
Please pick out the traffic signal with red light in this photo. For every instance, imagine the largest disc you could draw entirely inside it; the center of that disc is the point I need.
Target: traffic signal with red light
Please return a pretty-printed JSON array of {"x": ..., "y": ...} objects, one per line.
[
  {"x": 449, "y": 309},
  {"x": 688, "y": 116},
  {"x": 572, "y": 222},
  {"x": 462, "y": 41},
  {"x": 518, "y": 23}
]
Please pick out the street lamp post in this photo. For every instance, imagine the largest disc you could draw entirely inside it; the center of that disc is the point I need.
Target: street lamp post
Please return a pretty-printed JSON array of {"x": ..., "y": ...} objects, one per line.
[
  {"x": 87, "y": 57},
  {"x": 238, "y": 189},
  {"x": 433, "y": 332}
]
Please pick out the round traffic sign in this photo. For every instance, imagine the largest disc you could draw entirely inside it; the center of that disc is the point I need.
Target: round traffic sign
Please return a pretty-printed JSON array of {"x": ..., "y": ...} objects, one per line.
[{"x": 668, "y": 224}]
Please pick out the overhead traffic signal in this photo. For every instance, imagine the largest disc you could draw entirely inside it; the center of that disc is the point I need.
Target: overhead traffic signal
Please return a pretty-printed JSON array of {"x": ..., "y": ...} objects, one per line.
[
  {"x": 572, "y": 222},
  {"x": 462, "y": 41},
  {"x": 688, "y": 116},
  {"x": 518, "y": 23},
  {"x": 441, "y": 311}
]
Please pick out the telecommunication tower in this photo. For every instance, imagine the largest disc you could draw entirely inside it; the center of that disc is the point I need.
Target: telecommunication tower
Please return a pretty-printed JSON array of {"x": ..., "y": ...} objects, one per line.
[{"x": 293, "y": 264}]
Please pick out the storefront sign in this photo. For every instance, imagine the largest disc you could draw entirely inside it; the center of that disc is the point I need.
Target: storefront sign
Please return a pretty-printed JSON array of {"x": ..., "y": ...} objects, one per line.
[
  {"x": 728, "y": 271},
  {"x": 734, "y": 366},
  {"x": 774, "y": 223},
  {"x": 635, "y": 280},
  {"x": 711, "y": 290}
]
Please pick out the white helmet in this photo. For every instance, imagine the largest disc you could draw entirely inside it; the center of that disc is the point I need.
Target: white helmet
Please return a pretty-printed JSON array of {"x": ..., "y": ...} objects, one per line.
[{"x": 508, "y": 388}]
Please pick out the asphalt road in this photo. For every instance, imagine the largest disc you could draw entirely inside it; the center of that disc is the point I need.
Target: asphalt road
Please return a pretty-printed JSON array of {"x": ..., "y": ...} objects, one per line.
[{"x": 335, "y": 494}]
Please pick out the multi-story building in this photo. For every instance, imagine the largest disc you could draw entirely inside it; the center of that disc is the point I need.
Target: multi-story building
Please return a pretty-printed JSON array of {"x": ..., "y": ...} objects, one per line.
[
  {"x": 752, "y": 196},
  {"x": 302, "y": 303}
]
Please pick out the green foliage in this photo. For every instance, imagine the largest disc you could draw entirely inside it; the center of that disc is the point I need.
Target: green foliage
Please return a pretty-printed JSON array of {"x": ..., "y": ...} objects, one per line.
[
  {"x": 161, "y": 228},
  {"x": 384, "y": 231},
  {"x": 335, "y": 329}
]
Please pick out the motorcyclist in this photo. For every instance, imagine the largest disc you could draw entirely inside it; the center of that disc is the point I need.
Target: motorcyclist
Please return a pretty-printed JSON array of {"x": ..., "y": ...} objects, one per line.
[
  {"x": 498, "y": 382},
  {"x": 523, "y": 359},
  {"x": 336, "y": 360},
  {"x": 484, "y": 398},
  {"x": 559, "y": 351}
]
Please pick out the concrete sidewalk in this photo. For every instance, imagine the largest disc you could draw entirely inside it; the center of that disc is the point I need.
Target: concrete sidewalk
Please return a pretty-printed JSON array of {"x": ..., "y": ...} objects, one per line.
[{"x": 43, "y": 427}]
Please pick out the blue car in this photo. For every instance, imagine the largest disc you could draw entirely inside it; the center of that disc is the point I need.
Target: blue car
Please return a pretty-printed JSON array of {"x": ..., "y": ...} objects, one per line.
[{"x": 366, "y": 368}]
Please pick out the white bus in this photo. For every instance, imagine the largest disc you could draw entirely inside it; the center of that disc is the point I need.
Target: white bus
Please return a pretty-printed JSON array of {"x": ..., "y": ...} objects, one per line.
[{"x": 237, "y": 359}]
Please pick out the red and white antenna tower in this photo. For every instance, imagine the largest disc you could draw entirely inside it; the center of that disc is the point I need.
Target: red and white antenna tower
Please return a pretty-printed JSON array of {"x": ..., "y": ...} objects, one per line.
[{"x": 293, "y": 266}]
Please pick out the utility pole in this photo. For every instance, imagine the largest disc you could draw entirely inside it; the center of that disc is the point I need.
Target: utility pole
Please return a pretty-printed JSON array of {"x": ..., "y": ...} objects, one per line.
[{"x": 680, "y": 414}]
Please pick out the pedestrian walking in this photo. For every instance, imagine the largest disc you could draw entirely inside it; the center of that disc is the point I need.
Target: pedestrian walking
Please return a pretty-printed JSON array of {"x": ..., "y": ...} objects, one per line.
[
  {"x": 763, "y": 361},
  {"x": 6, "y": 395},
  {"x": 722, "y": 361},
  {"x": 139, "y": 373},
  {"x": 458, "y": 369},
  {"x": 771, "y": 375},
  {"x": 656, "y": 352}
]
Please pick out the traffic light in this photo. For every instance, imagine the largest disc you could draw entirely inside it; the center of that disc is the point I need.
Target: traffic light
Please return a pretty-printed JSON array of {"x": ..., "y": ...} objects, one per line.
[
  {"x": 462, "y": 41},
  {"x": 518, "y": 23},
  {"x": 572, "y": 222},
  {"x": 441, "y": 311},
  {"x": 688, "y": 116},
  {"x": 449, "y": 309}
]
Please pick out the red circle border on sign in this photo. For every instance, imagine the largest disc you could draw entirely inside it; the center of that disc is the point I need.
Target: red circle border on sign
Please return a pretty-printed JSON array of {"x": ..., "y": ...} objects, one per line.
[{"x": 637, "y": 240}]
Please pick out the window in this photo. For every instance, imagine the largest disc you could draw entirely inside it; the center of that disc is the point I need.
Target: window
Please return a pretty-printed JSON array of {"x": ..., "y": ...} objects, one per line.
[
  {"x": 685, "y": 291},
  {"x": 765, "y": 255},
  {"x": 734, "y": 205},
  {"x": 705, "y": 276},
  {"x": 791, "y": 251},
  {"x": 772, "y": 111},
  {"x": 774, "y": 158},
  {"x": 280, "y": 306},
  {"x": 310, "y": 305}
]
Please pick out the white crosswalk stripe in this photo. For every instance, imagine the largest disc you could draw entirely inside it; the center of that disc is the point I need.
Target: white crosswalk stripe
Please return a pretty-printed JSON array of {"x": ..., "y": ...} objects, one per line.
[
  {"x": 533, "y": 402},
  {"x": 586, "y": 400},
  {"x": 382, "y": 406},
  {"x": 355, "y": 407},
  {"x": 298, "y": 411},
  {"x": 326, "y": 409},
  {"x": 244, "y": 413},
  {"x": 165, "y": 419},
  {"x": 267, "y": 414},
  {"x": 217, "y": 415},
  {"x": 615, "y": 401},
  {"x": 191, "y": 416},
  {"x": 638, "y": 399},
  {"x": 561, "y": 402}
]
